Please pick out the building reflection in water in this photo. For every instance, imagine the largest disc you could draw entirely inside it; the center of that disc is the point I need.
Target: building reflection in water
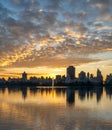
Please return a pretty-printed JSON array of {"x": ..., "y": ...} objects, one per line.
[
  {"x": 108, "y": 92},
  {"x": 70, "y": 96},
  {"x": 88, "y": 93},
  {"x": 20, "y": 108}
]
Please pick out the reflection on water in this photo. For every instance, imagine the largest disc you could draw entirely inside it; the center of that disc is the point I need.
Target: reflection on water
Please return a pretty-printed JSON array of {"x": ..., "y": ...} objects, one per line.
[{"x": 60, "y": 108}]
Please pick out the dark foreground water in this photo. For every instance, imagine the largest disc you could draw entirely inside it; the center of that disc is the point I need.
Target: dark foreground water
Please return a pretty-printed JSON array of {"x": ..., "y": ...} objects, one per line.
[{"x": 55, "y": 109}]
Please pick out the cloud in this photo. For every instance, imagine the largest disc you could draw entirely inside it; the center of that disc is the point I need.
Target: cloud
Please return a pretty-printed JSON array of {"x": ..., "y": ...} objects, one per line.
[
  {"x": 104, "y": 7},
  {"x": 105, "y": 28},
  {"x": 62, "y": 55},
  {"x": 100, "y": 3},
  {"x": 54, "y": 33},
  {"x": 16, "y": 54},
  {"x": 96, "y": 23},
  {"x": 54, "y": 4},
  {"x": 71, "y": 33}
]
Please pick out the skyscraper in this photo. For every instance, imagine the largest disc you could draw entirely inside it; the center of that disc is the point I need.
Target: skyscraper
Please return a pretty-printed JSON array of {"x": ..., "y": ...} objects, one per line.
[
  {"x": 82, "y": 75},
  {"x": 24, "y": 76},
  {"x": 71, "y": 72},
  {"x": 99, "y": 76}
]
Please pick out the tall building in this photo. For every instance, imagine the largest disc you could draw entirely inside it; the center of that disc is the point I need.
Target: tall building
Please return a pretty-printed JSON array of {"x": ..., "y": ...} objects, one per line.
[
  {"x": 71, "y": 72},
  {"x": 82, "y": 75},
  {"x": 99, "y": 76},
  {"x": 58, "y": 78},
  {"x": 88, "y": 75},
  {"x": 24, "y": 76},
  {"x": 109, "y": 79}
]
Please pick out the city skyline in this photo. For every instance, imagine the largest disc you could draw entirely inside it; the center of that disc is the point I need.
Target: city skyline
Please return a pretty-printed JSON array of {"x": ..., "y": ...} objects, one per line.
[
  {"x": 43, "y": 37},
  {"x": 70, "y": 73},
  {"x": 83, "y": 79}
]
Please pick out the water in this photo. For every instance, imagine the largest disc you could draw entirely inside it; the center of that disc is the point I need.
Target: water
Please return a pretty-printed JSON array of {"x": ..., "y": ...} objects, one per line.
[{"x": 57, "y": 108}]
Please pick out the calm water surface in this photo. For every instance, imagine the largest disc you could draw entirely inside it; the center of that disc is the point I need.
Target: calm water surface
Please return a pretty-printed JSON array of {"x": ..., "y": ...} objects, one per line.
[{"x": 58, "y": 108}]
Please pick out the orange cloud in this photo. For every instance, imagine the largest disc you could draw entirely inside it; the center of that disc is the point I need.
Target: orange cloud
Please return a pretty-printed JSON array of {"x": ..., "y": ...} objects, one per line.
[
  {"x": 74, "y": 34},
  {"x": 18, "y": 54}
]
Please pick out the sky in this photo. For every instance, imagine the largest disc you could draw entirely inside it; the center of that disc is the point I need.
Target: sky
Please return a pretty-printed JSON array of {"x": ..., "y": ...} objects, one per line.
[{"x": 44, "y": 37}]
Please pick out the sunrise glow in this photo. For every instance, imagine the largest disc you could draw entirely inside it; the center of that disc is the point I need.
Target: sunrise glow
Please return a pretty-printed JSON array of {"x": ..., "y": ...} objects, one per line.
[{"x": 43, "y": 38}]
